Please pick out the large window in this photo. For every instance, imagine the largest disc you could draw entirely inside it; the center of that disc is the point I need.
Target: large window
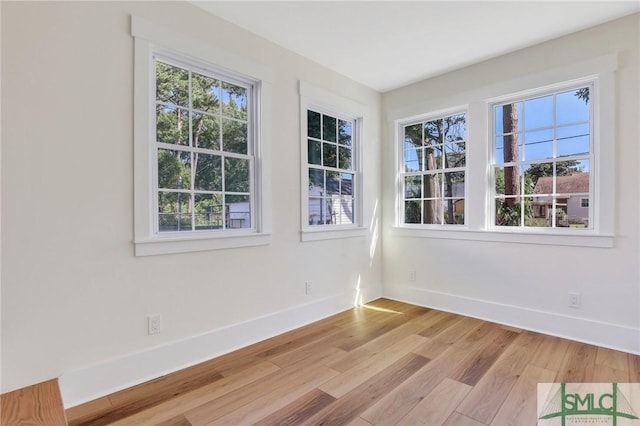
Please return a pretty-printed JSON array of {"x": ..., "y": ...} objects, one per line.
[
  {"x": 433, "y": 170},
  {"x": 331, "y": 169},
  {"x": 201, "y": 157},
  {"x": 204, "y": 150},
  {"x": 542, "y": 160}
]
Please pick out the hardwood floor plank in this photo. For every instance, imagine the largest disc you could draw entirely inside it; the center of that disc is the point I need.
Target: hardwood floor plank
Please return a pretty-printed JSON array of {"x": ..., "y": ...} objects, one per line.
[
  {"x": 550, "y": 353},
  {"x": 606, "y": 374},
  {"x": 435, "y": 346},
  {"x": 477, "y": 365},
  {"x": 84, "y": 412},
  {"x": 457, "y": 419},
  {"x": 484, "y": 401},
  {"x": 359, "y": 421},
  {"x": 198, "y": 397},
  {"x": 36, "y": 405},
  {"x": 348, "y": 380},
  {"x": 376, "y": 345},
  {"x": 520, "y": 407},
  {"x": 176, "y": 421},
  {"x": 436, "y": 407},
  {"x": 578, "y": 364},
  {"x": 268, "y": 390},
  {"x": 363, "y": 333},
  {"x": 299, "y": 410},
  {"x": 392, "y": 407},
  {"x": 634, "y": 368},
  {"x": 614, "y": 359},
  {"x": 443, "y": 321},
  {"x": 359, "y": 399}
]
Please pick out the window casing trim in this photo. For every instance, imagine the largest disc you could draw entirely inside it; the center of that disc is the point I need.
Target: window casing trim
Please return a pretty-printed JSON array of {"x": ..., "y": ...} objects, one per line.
[
  {"x": 478, "y": 128},
  {"x": 151, "y": 39},
  {"x": 320, "y": 100}
]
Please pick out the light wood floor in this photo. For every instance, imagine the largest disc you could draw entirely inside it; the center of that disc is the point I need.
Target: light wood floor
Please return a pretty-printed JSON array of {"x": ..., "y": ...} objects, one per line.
[{"x": 385, "y": 363}]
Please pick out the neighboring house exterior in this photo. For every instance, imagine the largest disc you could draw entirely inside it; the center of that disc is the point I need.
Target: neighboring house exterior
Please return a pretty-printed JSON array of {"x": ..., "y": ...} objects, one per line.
[
  {"x": 572, "y": 198},
  {"x": 328, "y": 207}
]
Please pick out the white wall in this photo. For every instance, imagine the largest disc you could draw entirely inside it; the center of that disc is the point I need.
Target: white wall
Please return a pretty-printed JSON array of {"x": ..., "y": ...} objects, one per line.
[
  {"x": 525, "y": 284},
  {"x": 75, "y": 300}
]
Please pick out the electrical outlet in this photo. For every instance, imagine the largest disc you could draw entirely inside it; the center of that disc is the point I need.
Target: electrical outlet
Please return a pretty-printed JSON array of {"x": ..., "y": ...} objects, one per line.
[
  {"x": 308, "y": 287},
  {"x": 574, "y": 300},
  {"x": 155, "y": 323},
  {"x": 412, "y": 275}
]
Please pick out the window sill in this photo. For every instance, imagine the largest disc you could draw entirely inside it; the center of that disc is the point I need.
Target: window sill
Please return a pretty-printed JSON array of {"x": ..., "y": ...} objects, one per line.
[
  {"x": 183, "y": 244},
  {"x": 510, "y": 236},
  {"x": 309, "y": 234}
]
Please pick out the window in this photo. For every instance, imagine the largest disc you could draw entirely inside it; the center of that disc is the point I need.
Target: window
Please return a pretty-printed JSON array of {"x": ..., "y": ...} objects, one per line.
[
  {"x": 538, "y": 168},
  {"x": 331, "y": 171},
  {"x": 433, "y": 170},
  {"x": 204, "y": 150},
  {"x": 200, "y": 147},
  {"x": 542, "y": 160},
  {"x": 331, "y": 166}
]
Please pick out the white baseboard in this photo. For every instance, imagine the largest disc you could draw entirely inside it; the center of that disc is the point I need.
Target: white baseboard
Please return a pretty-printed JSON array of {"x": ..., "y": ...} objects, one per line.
[
  {"x": 92, "y": 382},
  {"x": 613, "y": 336}
]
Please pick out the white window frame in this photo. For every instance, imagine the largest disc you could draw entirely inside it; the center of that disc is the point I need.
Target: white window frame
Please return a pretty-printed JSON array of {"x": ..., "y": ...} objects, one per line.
[
  {"x": 400, "y": 124},
  {"x": 322, "y": 101},
  {"x": 151, "y": 40},
  {"x": 478, "y": 217},
  {"x": 592, "y": 83}
]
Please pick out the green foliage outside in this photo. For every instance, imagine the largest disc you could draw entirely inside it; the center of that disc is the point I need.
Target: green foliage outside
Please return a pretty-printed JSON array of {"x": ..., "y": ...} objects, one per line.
[{"x": 211, "y": 117}]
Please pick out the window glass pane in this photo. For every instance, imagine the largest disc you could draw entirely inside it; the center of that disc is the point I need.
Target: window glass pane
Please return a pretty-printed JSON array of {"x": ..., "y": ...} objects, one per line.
[
  {"x": 454, "y": 184},
  {"x": 237, "y": 211},
  {"x": 313, "y": 124},
  {"x": 172, "y": 84},
  {"x": 507, "y": 212},
  {"x": 333, "y": 183},
  {"x": 413, "y": 136},
  {"x": 571, "y": 182},
  {"x": 573, "y": 139},
  {"x": 174, "y": 169},
  {"x": 412, "y": 187},
  {"x": 538, "y": 145},
  {"x": 539, "y": 178},
  {"x": 413, "y": 160},
  {"x": 329, "y": 128},
  {"x": 332, "y": 209},
  {"x": 208, "y": 211},
  {"x": 234, "y": 136},
  {"x": 172, "y": 125},
  {"x": 236, "y": 174},
  {"x": 345, "y": 129},
  {"x": 455, "y": 155},
  {"x": 344, "y": 157},
  {"x": 346, "y": 211},
  {"x": 206, "y": 93},
  {"x": 413, "y": 211},
  {"x": 314, "y": 152},
  {"x": 206, "y": 131},
  {"x": 507, "y": 180},
  {"x": 234, "y": 101},
  {"x": 329, "y": 154},
  {"x": 572, "y": 106},
  {"x": 316, "y": 182},
  {"x": 432, "y": 186},
  {"x": 432, "y": 212},
  {"x": 509, "y": 148},
  {"x": 346, "y": 187},
  {"x": 208, "y": 172},
  {"x": 538, "y": 112},
  {"x": 538, "y": 212},
  {"x": 508, "y": 118},
  {"x": 455, "y": 128},
  {"x": 433, "y": 157},
  {"x": 433, "y": 132},
  {"x": 316, "y": 211},
  {"x": 173, "y": 212},
  {"x": 578, "y": 212},
  {"x": 454, "y": 211}
]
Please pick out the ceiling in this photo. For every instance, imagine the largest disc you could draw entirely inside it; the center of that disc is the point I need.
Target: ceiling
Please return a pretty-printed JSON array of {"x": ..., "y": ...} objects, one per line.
[{"x": 389, "y": 44}]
